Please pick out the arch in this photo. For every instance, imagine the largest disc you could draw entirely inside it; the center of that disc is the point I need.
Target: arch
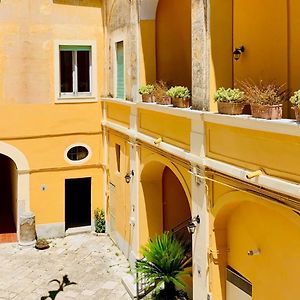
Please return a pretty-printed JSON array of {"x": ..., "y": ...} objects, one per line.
[
  {"x": 23, "y": 188},
  {"x": 151, "y": 200},
  {"x": 148, "y": 9},
  {"x": 244, "y": 222}
]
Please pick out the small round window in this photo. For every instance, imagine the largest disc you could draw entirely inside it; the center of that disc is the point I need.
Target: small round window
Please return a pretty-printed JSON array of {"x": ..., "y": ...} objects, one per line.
[{"x": 77, "y": 153}]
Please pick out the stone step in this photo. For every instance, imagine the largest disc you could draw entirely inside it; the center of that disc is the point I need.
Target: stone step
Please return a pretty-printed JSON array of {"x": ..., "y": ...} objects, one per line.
[
  {"x": 129, "y": 283},
  {"x": 8, "y": 237}
]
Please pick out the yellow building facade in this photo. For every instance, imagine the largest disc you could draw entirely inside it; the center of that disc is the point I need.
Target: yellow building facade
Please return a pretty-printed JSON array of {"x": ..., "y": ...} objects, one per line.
[{"x": 76, "y": 136}]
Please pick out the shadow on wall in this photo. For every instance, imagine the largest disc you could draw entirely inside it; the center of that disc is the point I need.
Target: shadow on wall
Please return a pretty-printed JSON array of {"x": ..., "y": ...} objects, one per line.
[{"x": 89, "y": 3}]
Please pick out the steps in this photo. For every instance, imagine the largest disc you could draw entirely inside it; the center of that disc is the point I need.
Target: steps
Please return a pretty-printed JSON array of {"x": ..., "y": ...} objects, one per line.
[{"x": 8, "y": 237}]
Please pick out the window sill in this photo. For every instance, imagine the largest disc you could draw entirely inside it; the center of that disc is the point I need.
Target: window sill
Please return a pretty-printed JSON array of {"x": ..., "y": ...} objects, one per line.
[{"x": 83, "y": 99}]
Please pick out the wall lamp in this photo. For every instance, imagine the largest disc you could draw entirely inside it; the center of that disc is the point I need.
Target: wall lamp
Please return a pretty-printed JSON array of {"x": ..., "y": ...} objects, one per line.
[
  {"x": 253, "y": 252},
  {"x": 237, "y": 52},
  {"x": 128, "y": 176},
  {"x": 191, "y": 227}
]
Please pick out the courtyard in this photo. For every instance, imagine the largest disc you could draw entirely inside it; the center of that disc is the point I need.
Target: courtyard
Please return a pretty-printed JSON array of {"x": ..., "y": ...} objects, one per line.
[{"x": 94, "y": 263}]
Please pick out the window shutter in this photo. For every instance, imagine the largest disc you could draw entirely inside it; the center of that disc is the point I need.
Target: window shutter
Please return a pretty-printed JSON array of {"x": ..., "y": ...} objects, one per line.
[{"x": 120, "y": 70}]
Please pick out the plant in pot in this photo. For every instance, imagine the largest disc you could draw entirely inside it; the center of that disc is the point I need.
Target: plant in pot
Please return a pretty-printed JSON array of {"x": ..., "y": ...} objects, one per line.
[
  {"x": 265, "y": 99},
  {"x": 160, "y": 93},
  {"x": 230, "y": 101},
  {"x": 147, "y": 93},
  {"x": 180, "y": 96},
  {"x": 163, "y": 267},
  {"x": 295, "y": 100}
]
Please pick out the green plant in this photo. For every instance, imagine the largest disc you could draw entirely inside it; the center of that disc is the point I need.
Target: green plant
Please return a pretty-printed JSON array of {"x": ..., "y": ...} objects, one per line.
[
  {"x": 264, "y": 93},
  {"x": 179, "y": 92},
  {"x": 163, "y": 266},
  {"x": 146, "y": 89},
  {"x": 229, "y": 95},
  {"x": 295, "y": 99},
  {"x": 99, "y": 220}
]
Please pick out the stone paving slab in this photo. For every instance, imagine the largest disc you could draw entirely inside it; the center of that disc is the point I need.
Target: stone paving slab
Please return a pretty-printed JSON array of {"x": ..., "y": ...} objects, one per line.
[{"x": 93, "y": 262}]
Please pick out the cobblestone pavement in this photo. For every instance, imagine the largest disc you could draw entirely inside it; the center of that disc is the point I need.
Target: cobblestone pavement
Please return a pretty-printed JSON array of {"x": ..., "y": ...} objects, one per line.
[{"x": 93, "y": 262}]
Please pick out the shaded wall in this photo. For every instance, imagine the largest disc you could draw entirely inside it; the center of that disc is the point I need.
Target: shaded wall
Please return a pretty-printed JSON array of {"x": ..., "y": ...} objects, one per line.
[{"x": 173, "y": 42}]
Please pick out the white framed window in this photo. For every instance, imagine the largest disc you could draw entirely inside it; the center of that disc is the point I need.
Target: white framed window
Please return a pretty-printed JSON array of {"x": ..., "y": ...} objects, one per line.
[
  {"x": 77, "y": 154},
  {"x": 75, "y": 71}
]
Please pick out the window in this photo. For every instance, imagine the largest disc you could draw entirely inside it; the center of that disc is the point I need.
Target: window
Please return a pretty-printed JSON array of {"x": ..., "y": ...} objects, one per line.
[
  {"x": 120, "y": 69},
  {"x": 78, "y": 153},
  {"x": 75, "y": 70},
  {"x": 118, "y": 156}
]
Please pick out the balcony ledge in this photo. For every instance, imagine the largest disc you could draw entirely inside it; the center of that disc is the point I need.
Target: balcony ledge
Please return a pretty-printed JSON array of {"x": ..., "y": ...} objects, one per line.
[{"x": 282, "y": 126}]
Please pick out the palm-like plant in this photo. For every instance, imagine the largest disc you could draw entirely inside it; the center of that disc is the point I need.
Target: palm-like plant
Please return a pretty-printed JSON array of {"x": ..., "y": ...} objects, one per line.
[{"x": 164, "y": 264}]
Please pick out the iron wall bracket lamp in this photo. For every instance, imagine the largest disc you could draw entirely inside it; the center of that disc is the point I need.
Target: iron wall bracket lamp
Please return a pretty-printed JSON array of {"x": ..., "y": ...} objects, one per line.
[
  {"x": 237, "y": 52},
  {"x": 191, "y": 227},
  {"x": 128, "y": 176}
]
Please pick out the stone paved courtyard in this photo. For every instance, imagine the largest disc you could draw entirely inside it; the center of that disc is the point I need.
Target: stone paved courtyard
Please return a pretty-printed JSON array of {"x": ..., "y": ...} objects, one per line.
[{"x": 93, "y": 262}]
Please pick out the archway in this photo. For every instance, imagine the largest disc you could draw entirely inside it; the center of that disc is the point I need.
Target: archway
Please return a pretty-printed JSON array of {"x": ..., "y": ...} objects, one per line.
[
  {"x": 245, "y": 223},
  {"x": 8, "y": 199},
  {"x": 166, "y": 202},
  {"x": 14, "y": 162}
]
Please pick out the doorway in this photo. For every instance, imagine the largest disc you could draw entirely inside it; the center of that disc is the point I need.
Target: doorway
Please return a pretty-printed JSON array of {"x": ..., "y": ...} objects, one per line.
[
  {"x": 8, "y": 199},
  {"x": 77, "y": 202}
]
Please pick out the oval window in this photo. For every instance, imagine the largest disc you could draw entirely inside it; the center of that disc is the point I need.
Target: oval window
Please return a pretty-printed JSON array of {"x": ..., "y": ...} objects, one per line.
[{"x": 77, "y": 153}]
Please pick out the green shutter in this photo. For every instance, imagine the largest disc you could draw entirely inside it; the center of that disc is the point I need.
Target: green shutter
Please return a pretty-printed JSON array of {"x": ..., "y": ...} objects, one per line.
[
  {"x": 74, "y": 48},
  {"x": 120, "y": 70}
]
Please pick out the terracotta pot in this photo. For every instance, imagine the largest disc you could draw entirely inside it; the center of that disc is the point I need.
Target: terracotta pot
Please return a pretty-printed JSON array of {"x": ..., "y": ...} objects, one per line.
[
  {"x": 297, "y": 113},
  {"x": 165, "y": 100},
  {"x": 269, "y": 112},
  {"x": 148, "y": 98},
  {"x": 230, "y": 108},
  {"x": 181, "y": 102}
]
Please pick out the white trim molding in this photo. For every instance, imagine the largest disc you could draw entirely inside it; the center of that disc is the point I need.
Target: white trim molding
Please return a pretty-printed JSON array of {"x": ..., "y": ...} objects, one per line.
[{"x": 81, "y": 161}]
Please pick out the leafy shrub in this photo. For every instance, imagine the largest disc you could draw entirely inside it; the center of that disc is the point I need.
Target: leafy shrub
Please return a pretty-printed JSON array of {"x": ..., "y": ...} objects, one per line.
[
  {"x": 99, "y": 220},
  {"x": 229, "y": 95},
  {"x": 146, "y": 89},
  {"x": 179, "y": 92},
  {"x": 264, "y": 93},
  {"x": 164, "y": 264},
  {"x": 295, "y": 99}
]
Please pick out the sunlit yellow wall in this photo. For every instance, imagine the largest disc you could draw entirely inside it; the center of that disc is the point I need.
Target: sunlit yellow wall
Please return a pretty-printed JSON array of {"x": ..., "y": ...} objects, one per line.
[
  {"x": 119, "y": 114},
  {"x": 173, "y": 38},
  {"x": 148, "y": 52},
  {"x": 119, "y": 203},
  {"x": 173, "y": 129},
  {"x": 28, "y": 30},
  {"x": 49, "y": 205},
  {"x": 43, "y": 133},
  {"x": 276, "y": 154},
  {"x": 221, "y": 46},
  {"x": 240, "y": 222}
]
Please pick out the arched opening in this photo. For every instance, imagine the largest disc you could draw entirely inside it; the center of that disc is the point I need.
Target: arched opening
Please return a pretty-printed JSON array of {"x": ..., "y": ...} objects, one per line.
[
  {"x": 248, "y": 223},
  {"x": 173, "y": 42},
  {"x": 165, "y": 206},
  {"x": 8, "y": 199}
]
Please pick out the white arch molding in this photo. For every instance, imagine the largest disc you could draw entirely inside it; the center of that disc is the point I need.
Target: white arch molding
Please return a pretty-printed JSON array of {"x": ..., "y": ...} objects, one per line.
[
  {"x": 148, "y": 9},
  {"x": 23, "y": 178}
]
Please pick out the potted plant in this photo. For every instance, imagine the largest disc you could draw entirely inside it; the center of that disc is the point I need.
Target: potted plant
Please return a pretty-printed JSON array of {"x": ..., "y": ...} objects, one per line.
[
  {"x": 160, "y": 93},
  {"x": 180, "y": 96},
  {"x": 230, "y": 101},
  {"x": 147, "y": 93},
  {"x": 295, "y": 100},
  {"x": 265, "y": 99},
  {"x": 163, "y": 266}
]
